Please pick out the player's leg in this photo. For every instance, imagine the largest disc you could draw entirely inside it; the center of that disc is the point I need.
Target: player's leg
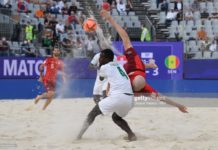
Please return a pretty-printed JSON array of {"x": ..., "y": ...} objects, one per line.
[
  {"x": 50, "y": 87},
  {"x": 168, "y": 101},
  {"x": 90, "y": 119},
  {"x": 97, "y": 90},
  {"x": 39, "y": 97},
  {"x": 96, "y": 98},
  {"x": 50, "y": 96},
  {"x": 124, "y": 126}
]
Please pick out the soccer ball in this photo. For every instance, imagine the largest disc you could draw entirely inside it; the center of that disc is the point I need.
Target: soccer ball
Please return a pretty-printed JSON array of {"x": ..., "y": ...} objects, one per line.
[{"x": 89, "y": 25}]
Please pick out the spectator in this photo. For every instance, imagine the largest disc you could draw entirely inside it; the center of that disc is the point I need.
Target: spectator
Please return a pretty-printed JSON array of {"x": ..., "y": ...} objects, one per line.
[
  {"x": 67, "y": 45},
  {"x": 110, "y": 1},
  {"x": 22, "y": 6},
  {"x": 171, "y": 15},
  {"x": 73, "y": 8},
  {"x": 214, "y": 14},
  {"x": 64, "y": 10},
  {"x": 195, "y": 6},
  {"x": 113, "y": 5},
  {"x": 201, "y": 34},
  {"x": 53, "y": 8},
  {"x": 178, "y": 33},
  {"x": 213, "y": 47},
  {"x": 158, "y": 2},
  {"x": 39, "y": 13},
  {"x": 216, "y": 37},
  {"x": 205, "y": 45},
  {"x": 129, "y": 7},
  {"x": 4, "y": 47},
  {"x": 189, "y": 15},
  {"x": 72, "y": 19},
  {"x": 5, "y": 4},
  {"x": 29, "y": 31},
  {"x": 26, "y": 49},
  {"x": 60, "y": 5},
  {"x": 16, "y": 32},
  {"x": 204, "y": 14},
  {"x": 59, "y": 30},
  {"x": 121, "y": 7},
  {"x": 47, "y": 40},
  {"x": 178, "y": 5},
  {"x": 164, "y": 6},
  {"x": 145, "y": 35}
]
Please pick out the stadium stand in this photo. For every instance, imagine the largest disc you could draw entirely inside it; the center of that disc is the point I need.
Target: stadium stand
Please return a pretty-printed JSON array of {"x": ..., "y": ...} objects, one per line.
[{"x": 195, "y": 22}]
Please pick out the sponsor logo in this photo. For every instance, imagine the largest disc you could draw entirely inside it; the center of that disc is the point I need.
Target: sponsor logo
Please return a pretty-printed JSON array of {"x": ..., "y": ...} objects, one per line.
[{"x": 146, "y": 55}]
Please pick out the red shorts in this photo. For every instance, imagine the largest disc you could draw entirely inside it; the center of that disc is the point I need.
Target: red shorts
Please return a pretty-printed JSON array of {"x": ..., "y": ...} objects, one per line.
[
  {"x": 134, "y": 61},
  {"x": 49, "y": 85},
  {"x": 135, "y": 67}
]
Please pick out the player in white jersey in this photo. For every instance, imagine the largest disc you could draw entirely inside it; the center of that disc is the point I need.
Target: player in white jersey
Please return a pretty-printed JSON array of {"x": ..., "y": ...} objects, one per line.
[
  {"x": 100, "y": 87},
  {"x": 119, "y": 100}
]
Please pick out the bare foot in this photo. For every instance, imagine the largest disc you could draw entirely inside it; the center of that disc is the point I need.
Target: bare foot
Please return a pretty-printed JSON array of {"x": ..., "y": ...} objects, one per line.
[
  {"x": 183, "y": 109},
  {"x": 132, "y": 137},
  {"x": 37, "y": 99}
]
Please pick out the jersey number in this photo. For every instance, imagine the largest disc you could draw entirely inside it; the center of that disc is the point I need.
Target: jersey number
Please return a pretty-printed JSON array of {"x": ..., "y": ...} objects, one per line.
[{"x": 122, "y": 73}]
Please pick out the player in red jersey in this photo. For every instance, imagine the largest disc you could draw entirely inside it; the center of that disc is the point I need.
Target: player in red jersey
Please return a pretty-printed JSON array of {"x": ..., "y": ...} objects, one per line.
[
  {"x": 135, "y": 68},
  {"x": 53, "y": 65}
]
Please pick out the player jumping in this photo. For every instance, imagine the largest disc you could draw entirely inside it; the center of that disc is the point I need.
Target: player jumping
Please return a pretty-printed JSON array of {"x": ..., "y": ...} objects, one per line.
[
  {"x": 120, "y": 99},
  {"x": 135, "y": 67},
  {"x": 53, "y": 65}
]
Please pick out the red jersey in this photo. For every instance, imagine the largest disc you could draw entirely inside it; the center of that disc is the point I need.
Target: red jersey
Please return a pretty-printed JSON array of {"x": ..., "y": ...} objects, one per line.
[{"x": 53, "y": 65}]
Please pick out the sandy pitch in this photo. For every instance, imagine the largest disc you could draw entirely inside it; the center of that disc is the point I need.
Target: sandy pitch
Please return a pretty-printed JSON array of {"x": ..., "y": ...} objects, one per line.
[{"x": 157, "y": 128}]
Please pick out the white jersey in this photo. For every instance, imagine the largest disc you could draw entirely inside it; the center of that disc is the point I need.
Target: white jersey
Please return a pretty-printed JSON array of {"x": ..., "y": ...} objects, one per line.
[
  {"x": 95, "y": 61},
  {"x": 117, "y": 77},
  {"x": 99, "y": 85}
]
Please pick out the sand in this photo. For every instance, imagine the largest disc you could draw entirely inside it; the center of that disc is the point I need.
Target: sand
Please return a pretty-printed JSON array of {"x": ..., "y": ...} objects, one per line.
[{"x": 157, "y": 128}]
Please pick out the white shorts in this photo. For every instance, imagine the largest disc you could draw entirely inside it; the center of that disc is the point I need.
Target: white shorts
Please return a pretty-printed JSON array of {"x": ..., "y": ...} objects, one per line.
[
  {"x": 98, "y": 87},
  {"x": 118, "y": 103}
]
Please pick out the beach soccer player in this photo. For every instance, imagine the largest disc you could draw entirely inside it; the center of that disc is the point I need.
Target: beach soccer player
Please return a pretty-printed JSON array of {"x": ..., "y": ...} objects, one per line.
[
  {"x": 135, "y": 67},
  {"x": 52, "y": 65}
]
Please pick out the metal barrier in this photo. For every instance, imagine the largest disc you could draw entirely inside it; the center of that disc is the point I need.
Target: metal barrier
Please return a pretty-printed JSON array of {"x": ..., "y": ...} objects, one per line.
[
  {"x": 6, "y": 11},
  {"x": 6, "y": 26},
  {"x": 151, "y": 28}
]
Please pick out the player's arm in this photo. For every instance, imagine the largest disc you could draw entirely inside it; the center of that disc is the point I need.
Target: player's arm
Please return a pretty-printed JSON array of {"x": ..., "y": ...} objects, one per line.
[
  {"x": 41, "y": 69},
  {"x": 94, "y": 62},
  {"x": 102, "y": 73},
  {"x": 150, "y": 65},
  {"x": 93, "y": 67},
  {"x": 108, "y": 89},
  {"x": 122, "y": 33}
]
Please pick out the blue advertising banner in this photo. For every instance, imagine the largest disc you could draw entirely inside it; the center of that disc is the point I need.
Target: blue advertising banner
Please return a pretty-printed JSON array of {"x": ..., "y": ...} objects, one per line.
[
  {"x": 201, "y": 69},
  {"x": 19, "y": 67},
  {"x": 167, "y": 55},
  {"x": 28, "y": 68}
]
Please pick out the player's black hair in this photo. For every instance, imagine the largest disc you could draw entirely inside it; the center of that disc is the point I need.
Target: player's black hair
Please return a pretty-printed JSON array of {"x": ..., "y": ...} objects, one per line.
[{"x": 108, "y": 54}]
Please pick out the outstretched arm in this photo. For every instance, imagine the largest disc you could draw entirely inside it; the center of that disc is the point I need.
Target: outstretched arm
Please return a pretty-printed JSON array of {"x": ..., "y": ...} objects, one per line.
[
  {"x": 41, "y": 69},
  {"x": 122, "y": 33}
]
